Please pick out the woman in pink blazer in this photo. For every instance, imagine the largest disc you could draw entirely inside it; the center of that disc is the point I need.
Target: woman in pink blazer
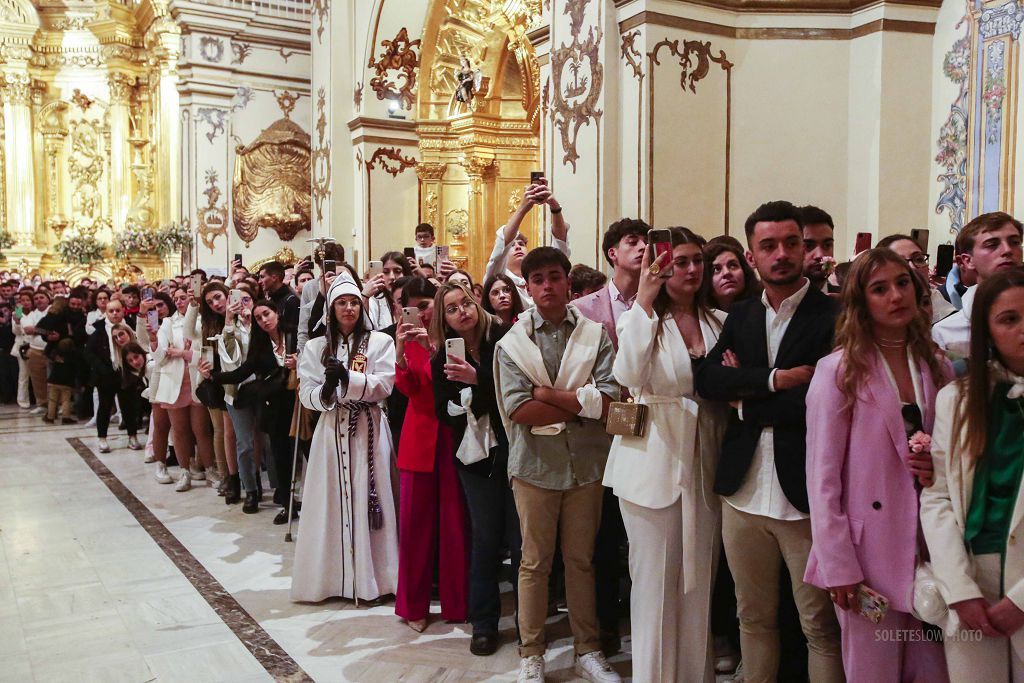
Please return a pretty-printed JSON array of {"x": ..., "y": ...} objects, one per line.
[{"x": 866, "y": 398}]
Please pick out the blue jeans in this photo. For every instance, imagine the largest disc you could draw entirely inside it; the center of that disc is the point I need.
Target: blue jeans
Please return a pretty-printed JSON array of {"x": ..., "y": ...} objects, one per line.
[{"x": 246, "y": 431}]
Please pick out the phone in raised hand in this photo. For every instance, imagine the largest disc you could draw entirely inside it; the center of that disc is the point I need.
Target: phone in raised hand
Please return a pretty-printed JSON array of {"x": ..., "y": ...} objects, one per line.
[
  {"x": 376, "y": 268},
  {"x": 660, "y": 242},
  {"x": 455, "y": 348},
  {"x": 443, "y": 253},
  {"x": 411, "y": 316},
  {"x": 197, "y": 285}
]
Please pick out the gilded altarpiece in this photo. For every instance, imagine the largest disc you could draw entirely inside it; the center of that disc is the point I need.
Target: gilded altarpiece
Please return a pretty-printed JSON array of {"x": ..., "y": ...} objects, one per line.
[
  {"x": 78, "y": 131},
  {"x": 476, "y": 156}
]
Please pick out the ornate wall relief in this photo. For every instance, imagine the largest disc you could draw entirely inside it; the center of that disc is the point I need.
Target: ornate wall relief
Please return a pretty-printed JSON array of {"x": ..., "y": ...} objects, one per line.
[
  {"x": 395, "y": 69},
  {"x": 271, "y": 188},
  {"x": 241, "y": 52},
  {"x": 391, "y": 160},
  {"x": 215, "y": 118},
  {"x": 211, "y": 49},
  {"x": 212, "y": 220},
  {"x": 320, "y": 159},
  {"x": 577, "y": 79},
  {"x": 952, "y": 142}
]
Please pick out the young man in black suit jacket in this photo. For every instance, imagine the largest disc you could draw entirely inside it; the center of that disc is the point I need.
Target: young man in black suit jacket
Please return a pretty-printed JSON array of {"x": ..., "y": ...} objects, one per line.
[{"x": 762, "y": 365}]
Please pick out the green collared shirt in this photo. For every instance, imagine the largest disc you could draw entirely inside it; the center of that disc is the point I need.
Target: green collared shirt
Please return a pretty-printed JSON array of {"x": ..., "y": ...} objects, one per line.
[{"x": 576, "y": 456}]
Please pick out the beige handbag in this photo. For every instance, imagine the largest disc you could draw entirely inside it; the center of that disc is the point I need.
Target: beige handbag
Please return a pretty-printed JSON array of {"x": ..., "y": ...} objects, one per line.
[{"x": 626, "y": 418}]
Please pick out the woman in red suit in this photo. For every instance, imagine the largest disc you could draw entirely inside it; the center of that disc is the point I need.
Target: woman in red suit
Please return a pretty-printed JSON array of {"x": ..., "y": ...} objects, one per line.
[{"x": 431, "y": 502}]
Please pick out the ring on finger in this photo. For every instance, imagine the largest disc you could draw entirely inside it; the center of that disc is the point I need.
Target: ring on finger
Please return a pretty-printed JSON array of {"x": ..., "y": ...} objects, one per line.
[{"x": 655, "y": 269}]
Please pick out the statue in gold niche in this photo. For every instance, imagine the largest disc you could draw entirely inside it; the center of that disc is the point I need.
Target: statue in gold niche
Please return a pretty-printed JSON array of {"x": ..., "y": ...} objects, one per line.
[{"x": 271, "y": 185}]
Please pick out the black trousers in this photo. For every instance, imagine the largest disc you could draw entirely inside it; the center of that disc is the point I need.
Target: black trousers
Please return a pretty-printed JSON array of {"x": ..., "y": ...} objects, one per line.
[
  {"x": 494, "y": 523},
  {"x": 8, "y": 377},
  {"x": 611, "y": 536},
  {"x": 127, "y": 399}
]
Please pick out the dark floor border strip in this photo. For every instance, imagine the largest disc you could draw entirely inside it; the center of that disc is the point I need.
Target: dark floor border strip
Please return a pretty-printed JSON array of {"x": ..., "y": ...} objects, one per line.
[{"x": 265, "y": 649}]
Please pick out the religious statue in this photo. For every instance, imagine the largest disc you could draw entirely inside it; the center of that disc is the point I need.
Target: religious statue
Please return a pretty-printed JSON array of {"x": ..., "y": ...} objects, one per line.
[{"x": 469, "y": 81}]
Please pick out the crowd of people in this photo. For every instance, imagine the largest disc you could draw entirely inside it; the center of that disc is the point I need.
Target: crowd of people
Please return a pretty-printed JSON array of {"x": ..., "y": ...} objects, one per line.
[{"x": 795, "y": 455}]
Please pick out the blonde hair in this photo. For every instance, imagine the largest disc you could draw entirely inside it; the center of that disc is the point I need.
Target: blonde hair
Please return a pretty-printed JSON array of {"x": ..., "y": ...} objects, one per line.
[
  {"x": 439, "y": 326},
  {"x": 854, "y": 335}
]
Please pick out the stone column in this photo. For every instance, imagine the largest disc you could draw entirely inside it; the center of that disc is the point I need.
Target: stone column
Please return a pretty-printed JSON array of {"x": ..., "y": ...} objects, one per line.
[
  {"x": 120, "y": 85},
  {"x": 164, "y": 42},
  {"x": 20, "y": 171}
]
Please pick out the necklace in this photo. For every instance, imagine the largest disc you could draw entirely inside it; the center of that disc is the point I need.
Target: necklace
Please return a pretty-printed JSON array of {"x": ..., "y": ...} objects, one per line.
[{"x": 891, "y": 343}]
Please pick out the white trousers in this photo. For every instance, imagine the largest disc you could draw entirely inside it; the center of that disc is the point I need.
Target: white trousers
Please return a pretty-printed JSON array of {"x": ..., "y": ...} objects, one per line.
[
  {"x": 671, "y": 629},
  {"x": 24, "y": 400},
  {"x": 992, "y": 660}
]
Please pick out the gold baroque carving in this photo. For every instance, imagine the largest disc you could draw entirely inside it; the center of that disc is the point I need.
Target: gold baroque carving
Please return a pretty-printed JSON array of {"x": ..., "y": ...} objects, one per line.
[
  {"x": 320, "y": 159},
  {"x": 286, "y": 101},
  {"x": 272, "y": 187},
  {"x": 320, "y": 9},
  {"x": 430, "y": 170},
  {"x": 431, "y": 206},
  {"x": 514, "y": 199},
  {"x": 383, "y": 155},
  {"x": 120, "y": 86},
  {"x": 398, "y": 55},
  {"x": 17, "y": 89},
  {"x": 456, "y": 222},
  {"x": 212, "y": 219},
  {"x": 574, "y": 102}
]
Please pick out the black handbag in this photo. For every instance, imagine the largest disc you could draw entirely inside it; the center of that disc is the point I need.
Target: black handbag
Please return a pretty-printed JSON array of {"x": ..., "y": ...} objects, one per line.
[
  {"x": 211, "y": 395},
  {"x": 257, "y": 391}
]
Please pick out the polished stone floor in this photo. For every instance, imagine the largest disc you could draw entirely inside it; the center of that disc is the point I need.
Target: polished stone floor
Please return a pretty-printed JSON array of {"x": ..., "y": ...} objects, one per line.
[{"x": 106, "y": 575}]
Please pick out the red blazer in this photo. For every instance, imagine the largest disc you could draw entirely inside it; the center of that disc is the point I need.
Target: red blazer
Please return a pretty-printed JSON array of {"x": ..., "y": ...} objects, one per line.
[{"x": 417, "y": 444}]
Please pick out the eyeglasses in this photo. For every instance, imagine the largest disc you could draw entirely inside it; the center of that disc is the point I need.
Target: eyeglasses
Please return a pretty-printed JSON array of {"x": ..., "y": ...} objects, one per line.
[
  {"x": 455, "y": 308},
  {"x": 919, "y": 260}
]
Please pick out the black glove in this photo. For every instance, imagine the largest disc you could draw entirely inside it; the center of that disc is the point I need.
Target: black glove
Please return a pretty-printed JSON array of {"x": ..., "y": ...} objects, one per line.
[{"x": 334, "y": 373}]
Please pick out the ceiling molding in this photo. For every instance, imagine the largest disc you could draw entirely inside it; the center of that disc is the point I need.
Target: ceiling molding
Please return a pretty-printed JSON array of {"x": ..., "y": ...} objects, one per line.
[
  {"x": 801, "y": 6},
  {"x": 776, "y": 33}
]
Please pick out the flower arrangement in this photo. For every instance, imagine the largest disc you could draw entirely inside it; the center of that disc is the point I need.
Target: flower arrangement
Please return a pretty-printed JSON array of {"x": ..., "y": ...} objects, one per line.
[
  {"x": 80, "y": 249},
  {"x": 6, "y": 239},
  {"x": 173, "y": 237},
  {"x": 134, "y": 239},
  {"x": 828, "y": 264},
  {"x": 920, "y": 445}
]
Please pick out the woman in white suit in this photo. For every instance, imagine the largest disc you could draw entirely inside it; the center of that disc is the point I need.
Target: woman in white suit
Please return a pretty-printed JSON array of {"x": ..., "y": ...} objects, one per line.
[
  {"x": 664, "y": 479},
  {"x": 973, "y": 515}
]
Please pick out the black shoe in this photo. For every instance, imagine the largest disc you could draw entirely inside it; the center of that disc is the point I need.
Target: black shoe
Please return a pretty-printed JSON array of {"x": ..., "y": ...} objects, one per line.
[
  {"x": 484, "y": 644},
  {"x": 68, "y": 421},
  {"x": 48, "y": 420},
  {"x": 233, "y": 492},
  {"x": 251, "y": 504},
  {"x": 282, "y": 515}
]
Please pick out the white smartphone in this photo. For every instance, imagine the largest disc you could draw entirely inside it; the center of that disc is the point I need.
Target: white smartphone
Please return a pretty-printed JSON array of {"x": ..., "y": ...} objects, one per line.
[
  {"x": 197, "y": 285},
  {"x": 411, "y": 316},
  {"x": 443, "y": 252},
  {"x": 376, "y": 268},
  {"x": 455, "y": 348},
  {"x": 430, "y": 257},
  {"x": 235, "y": 296}
]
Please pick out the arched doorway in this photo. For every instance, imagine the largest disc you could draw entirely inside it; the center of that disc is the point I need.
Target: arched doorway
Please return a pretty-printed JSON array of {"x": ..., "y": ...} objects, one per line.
[{"x": 476, "y": 157}]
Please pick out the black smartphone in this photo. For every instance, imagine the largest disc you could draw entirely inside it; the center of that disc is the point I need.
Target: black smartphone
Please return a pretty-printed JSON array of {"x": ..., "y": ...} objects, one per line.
[
  {"x": 329, "y": 265},
  {"x": 148, "y": 294},
  {"x": 238, "y": 259},
  {"x": 944, "y": 259},
  {"x": 920, "y": 235},
  {"x": 535, "y": 176}
]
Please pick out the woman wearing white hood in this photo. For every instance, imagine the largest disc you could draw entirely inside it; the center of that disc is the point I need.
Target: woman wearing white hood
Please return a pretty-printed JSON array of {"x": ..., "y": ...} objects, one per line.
[{"x": 348, "y": 533}]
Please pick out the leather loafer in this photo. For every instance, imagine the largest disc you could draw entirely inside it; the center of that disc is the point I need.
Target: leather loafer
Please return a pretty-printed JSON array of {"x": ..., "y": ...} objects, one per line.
[
  {"x": 251, "y": 504},
  {"x": 282, "y": 516},
  {"x": 484, "y": 644}
]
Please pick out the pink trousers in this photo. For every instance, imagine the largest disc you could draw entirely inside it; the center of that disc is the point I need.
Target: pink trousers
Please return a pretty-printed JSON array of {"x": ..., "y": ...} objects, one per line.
[
  {"x": 433, "y": 529},
  {"x": 895, "y": 650}
]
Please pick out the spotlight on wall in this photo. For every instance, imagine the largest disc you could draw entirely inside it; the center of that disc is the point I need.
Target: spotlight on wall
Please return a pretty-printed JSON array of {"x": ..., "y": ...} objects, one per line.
[{"x": 395, "y": 109}]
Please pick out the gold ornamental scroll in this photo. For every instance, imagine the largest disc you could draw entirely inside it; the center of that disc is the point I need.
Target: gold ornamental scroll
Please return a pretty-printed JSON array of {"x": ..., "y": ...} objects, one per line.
[{"x": 272, "y": 182}]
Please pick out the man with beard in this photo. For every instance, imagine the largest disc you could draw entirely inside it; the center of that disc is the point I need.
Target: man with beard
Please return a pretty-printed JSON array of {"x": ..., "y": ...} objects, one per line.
[
  {"x": 819, "y": 244},
  {"x": 762, "y": 365}
]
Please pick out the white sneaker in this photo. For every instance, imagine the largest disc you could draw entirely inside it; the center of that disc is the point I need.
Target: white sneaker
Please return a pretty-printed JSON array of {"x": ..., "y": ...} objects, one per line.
[
  {"x": 38, "y": 410},
  {"x": 197, "y": 475},
  {"x": 134, "y": 444},
  {"x": 91, "y": 422},
  {"x": 104, "y": 446},
  {"x": 116, "y": 419},
  {"x": 184, "y": 483},
  {"x": 161, "y": 473},
  {"x": 595, "y": 668},
  {"x": 150, "y": 458},
  {"x": 531, "y": 670}
]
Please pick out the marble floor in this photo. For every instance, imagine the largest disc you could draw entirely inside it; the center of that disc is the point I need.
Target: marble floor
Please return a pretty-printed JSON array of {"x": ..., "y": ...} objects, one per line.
[{"x": 106, "y": 575}]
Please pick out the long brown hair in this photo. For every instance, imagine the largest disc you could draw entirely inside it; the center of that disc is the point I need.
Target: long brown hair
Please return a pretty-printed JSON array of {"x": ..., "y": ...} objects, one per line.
[
  {"x": 663, "y": 302},
  {"x": 970, "y": 420},
  {"x": 212, "y": 323},
  {"x": 854, "y": 335}
]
